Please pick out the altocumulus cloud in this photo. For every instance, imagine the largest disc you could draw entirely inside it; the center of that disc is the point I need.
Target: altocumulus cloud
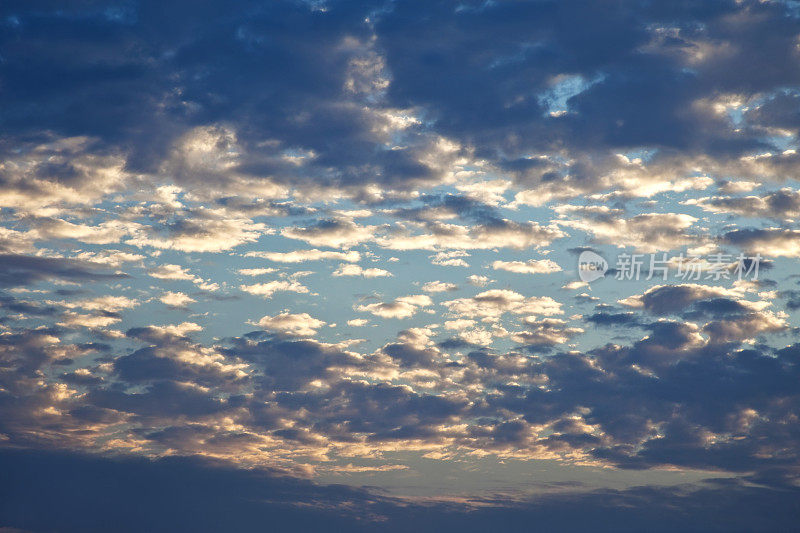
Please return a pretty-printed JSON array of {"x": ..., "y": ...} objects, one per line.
[{"x": 255, "y": 258}]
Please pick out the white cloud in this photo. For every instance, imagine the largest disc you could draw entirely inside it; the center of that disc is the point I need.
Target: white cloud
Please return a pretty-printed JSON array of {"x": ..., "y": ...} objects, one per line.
[
  {"x": 478, "y": 281},
  {"x": 356, "y": 270},
  {"x": 403, "y": 307},
  {"x": 268, "y": 289},
  {"x": 648, "y": 233},
  {"x": 439, "y": 286},
  {"x": 337, "y": 233},
  {"x": 256, "y": 271},
  {"x": 204, "y": 230},
  {"x": 299, "y": 325},
  {"x": 543, "y": 266},
  {"x": 176, "y": 299},
  {"x": 504, "y": 234},
  {"x": 452, "y": 258},
  {"x": 177, "y": 272},
  {"x": 493, "y": 303},
  {"x": 300, "y": 256}
]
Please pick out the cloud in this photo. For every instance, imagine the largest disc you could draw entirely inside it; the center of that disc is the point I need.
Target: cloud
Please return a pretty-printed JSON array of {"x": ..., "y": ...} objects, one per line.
[
  {"x": 453, "y": 258},
  {"x": 298, "y": 325},
  {"x": 647, "y": 233},
  {"x": 25, "y": 270},
  {"x": 782, "y": 204},
  {"x": 206, "y": 231},
  {"x": 402, "y": 307},
  {"x": 532, "y": 266},
  {"x": 93, "y": 321},
  {"x": 544, "y": 332},
  {"x": 172, "y": 272},
  {"x": 356, "y": 271},
  {"x": 478, "y": 281},
  {"x": 108, "y": 303},
  {"x": 43, "y": 178},
  {"x": 771, "y": 242},
  {"x": 177, "y": 272},
  {"x": 256, "y": 271},
  {"x": 214, "y": 495},
  {"x": 158, "y": 333},
  {"x": 666, "y": 299},
  {"x": 182, "y": 141},
  {"x": 108, "y": 232},
  {"x": 300, "y": 256},
  {"x": 333, "y": 233},
  {"x": 176, "y": 299},
  {"x": 439, "y": 286},
  {"x": 499, "y": 234},
  {"x": 268, "y": 289},
  {"x": 492, "y": 304}
]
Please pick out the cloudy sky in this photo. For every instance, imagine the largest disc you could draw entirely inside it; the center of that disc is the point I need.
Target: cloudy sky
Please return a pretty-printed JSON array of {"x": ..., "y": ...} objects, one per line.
[{"x": 316, "y": 264}]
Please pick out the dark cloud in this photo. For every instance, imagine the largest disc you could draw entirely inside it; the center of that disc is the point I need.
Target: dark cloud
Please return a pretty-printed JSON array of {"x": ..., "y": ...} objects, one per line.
[
  {"x": 16, "y": 270},
  {"x": 289, "y": 77},
  {"x": 613, "y": 319},
  {"x": 289, "y": 364},
  {"x": 57, "y": 491},
  {"x": 15, "y": 305}
]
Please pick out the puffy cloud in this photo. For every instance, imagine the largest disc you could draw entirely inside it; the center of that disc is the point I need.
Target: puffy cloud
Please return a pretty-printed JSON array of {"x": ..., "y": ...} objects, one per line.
[
  {"x": 666, "y": 299},
  {"x": 544, "y": 332},
  {"x": 175, "y": 358},
  {"x": 19, "y": 270},
  {"x": 45, "y": 178},
  {"x": 206, "y": 231},
  {"x": 268, "y": 289},
  {"x": 111, "y": 258},
  {"x": 300, "y": 256},
  {"x": 177, "y": 272},
  {"x": 358, "y": 271},
  {"x": 493, "y": 303},
  {"x": 648, "y": 233},
  {"x": 771, "y": 242},
  {"x": 108, "y": 232},
  {"x": 402, "y": 307},
  {"x": 499, "y": 234},
  {"x": 333, "y": 233},
  {"x": 108, "y": 303},
  {"x": 454, "y": 258},
  {"x": 172, "y": 272},
  {"x": 256, "y": 271},
  {"x": 746, "y": 326},
  {"x": 93, "y": 321},
  {"x": 439, "y": 286},
  {"x": 160, "y": 333},
  {"x": 782, "y": 204},
  {"x": 532, "y": 266},
  {"x": 299, "y": 325},
  {"x": 478, "y": 280},
  {"x": 176, "y": 299}
]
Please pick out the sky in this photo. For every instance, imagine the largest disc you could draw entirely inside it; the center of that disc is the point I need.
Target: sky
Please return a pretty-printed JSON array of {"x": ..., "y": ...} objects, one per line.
[{"x": 399, "y": 265}]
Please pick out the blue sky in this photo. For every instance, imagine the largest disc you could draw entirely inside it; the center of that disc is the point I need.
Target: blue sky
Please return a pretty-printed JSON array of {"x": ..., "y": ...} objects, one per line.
[{"x": 330, "y": 251}]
